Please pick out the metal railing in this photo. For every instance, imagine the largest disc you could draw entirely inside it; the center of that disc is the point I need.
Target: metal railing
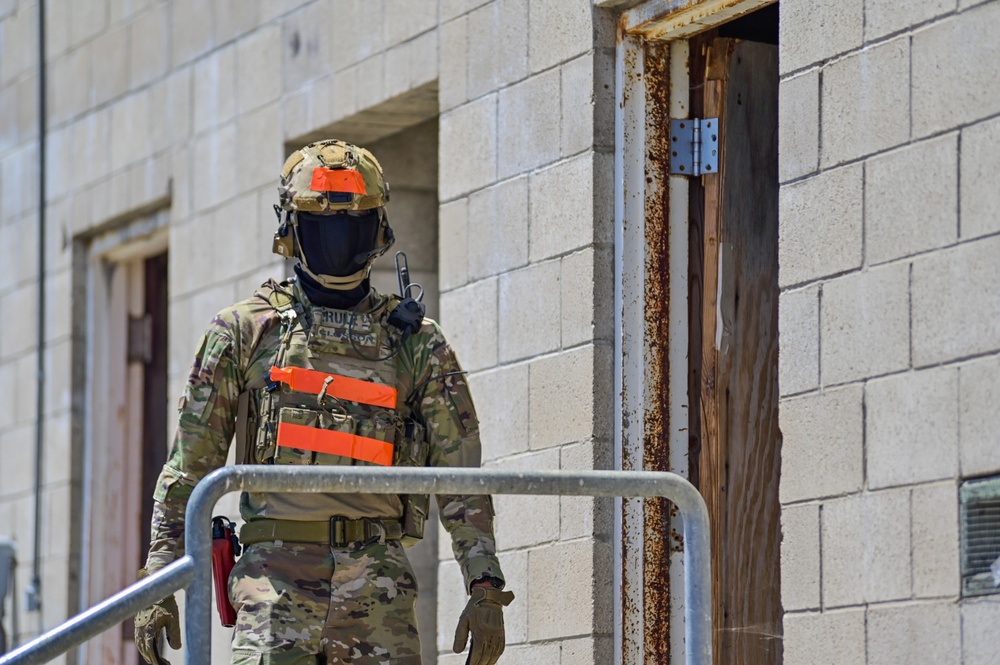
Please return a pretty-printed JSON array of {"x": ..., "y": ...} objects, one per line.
[{"x": 193, "y": 573}]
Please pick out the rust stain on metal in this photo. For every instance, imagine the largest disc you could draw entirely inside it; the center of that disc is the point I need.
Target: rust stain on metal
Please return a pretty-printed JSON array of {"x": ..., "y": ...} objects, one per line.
[{"x": 656, "y": 440}]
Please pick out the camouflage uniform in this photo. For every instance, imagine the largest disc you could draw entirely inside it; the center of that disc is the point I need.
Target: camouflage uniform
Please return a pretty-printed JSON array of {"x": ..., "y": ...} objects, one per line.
[{"x": 295, "y": 601}]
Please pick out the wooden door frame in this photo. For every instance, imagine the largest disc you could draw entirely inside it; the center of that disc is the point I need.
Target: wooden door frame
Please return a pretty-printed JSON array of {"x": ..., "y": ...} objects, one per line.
[{"x": 651, "y": 313}]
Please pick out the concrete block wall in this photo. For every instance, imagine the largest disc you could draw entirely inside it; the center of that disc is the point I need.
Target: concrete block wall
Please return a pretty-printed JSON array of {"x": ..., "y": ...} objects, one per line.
[
  {"x": 191, "y": 107},
  {"x": 525, "y": 293},
  {"x": 890, "y": 352}
]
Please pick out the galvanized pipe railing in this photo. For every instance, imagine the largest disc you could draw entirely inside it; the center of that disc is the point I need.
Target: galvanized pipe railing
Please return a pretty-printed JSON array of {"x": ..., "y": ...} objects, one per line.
[{"x": 193, "y": 571}]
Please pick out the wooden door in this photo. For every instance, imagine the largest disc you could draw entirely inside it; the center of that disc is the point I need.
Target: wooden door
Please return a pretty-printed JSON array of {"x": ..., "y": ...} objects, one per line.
[{"x": 736, "y": 444}]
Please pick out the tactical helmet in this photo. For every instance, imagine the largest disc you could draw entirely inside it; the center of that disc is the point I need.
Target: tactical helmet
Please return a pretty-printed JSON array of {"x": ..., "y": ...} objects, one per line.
[{"x": 326, "y": 178}]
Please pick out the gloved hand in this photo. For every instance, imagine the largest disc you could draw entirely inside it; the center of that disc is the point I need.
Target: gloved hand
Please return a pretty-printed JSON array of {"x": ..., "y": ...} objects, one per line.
[
  {"x": 148, "y": 624},
  {"x": 483, "y": 617}
]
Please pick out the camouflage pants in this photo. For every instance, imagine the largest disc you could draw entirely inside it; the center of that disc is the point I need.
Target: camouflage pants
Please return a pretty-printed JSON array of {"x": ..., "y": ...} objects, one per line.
[{"x": 302, "y": 603}]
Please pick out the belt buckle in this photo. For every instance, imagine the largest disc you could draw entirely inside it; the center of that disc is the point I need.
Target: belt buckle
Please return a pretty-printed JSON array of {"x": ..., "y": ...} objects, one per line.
[
  {"x": 379, "y": 528},
  {"x": 334, "y": 540}
]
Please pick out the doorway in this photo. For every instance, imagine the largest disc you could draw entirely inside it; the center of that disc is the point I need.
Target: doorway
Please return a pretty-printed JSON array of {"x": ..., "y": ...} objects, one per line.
[
  {"x": 126, "y": 415},
  {"x": 735, "y": 444}
]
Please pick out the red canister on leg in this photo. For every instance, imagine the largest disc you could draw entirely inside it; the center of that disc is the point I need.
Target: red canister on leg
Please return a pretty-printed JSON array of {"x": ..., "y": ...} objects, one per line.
[{"x": 225, "y": 547}]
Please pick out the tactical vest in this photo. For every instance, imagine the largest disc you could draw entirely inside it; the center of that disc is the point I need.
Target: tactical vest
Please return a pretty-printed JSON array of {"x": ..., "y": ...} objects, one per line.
[{"x": 332, "y": 398}]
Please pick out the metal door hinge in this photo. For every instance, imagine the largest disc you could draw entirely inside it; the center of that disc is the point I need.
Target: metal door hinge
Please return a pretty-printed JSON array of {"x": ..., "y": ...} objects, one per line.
[
  {"x": 694, "y": 146},
  {"x": 140, "y": 339}
]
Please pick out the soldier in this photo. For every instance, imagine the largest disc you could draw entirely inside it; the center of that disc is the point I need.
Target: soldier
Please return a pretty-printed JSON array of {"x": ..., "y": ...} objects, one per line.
[{"x": 323, "y": 369}]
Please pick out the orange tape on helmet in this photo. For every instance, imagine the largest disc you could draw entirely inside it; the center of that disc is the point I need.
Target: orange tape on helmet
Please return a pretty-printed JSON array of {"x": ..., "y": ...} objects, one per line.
[{"x": 346, "y": 181}]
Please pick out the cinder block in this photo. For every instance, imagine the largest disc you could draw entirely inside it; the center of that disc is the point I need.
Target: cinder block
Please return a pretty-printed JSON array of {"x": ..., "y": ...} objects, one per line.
[
  {"x": 561, "y": 606},
  {"x": 866, "y": 324},
  {"x": 980, "y": 163},
  {"x": 498, "y": 228},
  {"x": 234, "y": 18},
  {"x": 955, "y": 300},
  {"x": 798, "y": 349},
  {"x": 821, "y": 452},
  {"x": 258, "y": 66},
  {"x": 820, "y": 226},
  {"x": 979, "y": 419},
  {"x": 866, "y": 102},
  {"x": 830, "y": 638},
  {"x": 586, "y": 651},
  {"x": 275, "y": 8},
  {"x": 452, "y": 597},
  {"x": 307, "y": 52},
  {"x": 130, "y": 130},
  {"x": 911, "y": 199},
  {"x": 498, "y": 52},
  {"x": 150, "y": 45},
  {"x": 514, "y": 532},
  {"x": 558, "y": 32},
  {"x": 27, "y": 107},
  {"x": 171, "y": 101},
  {"x": 57, "y": 362},
  {"x": 529, "y": 311},
  {"x": 467, "y": 156},
  {"x": 924, "y": 633},
  {"x": 20, "y": 456},
  {"x": 58, "y": 305},
  {"x": 912, "y": 427},
  {"x": 584, "y": 516},
  {"x": 57, "y": 28},
  {"x": 18, "y": 333},
  {"x": 800, "y": 551},
  {"x": 884, "y": 17},
  {"x": 120, "y": 10},
  {"x": 562, "y": 207},
  {"x": 404, "y": 19},
  {"x": 578, "y": 289},
  {"x": 866, "y": 548},
  {"x": 453, "y": 234},
  {"x": 950, "y": 84},
  {"x": 69, "y": 85},
  {"x": 529, "y": 124},
  {"x": 453, "y": 66},
  {"x": 259, "y": 150},
  {"x": 18, "y": 46},
  {"x": 811, "y": 32},
  {"x": 111, "y": 73},
  {"x": 561, "y": 398},
  {"x": 449, "y": 9},
  {"x": 415, "y": 64},
  {"x": 192, "y": 36},
  {"x": 469, "y": 315},
  {"x": 501, "y": 397},
  {"x": 798, "y": 125},
  {"x": 515, "y": 616},
  {"x": 214, "y": 177},
  {"x": 88, "y": 21},
  {"x": 215, "y": 89},
  {"x": 980, "y": 637},
  {"x": 935, "y": 540}
]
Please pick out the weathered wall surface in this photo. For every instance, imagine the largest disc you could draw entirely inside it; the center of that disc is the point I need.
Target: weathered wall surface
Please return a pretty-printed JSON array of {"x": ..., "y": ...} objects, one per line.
[
  {"x": 192, "y": 105},
  {"x": 889, "y": 365}
]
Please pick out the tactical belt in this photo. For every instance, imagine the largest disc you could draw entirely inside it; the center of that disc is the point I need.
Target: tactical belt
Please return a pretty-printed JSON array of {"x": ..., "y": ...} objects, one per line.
[{"x": 336, "y": 532}]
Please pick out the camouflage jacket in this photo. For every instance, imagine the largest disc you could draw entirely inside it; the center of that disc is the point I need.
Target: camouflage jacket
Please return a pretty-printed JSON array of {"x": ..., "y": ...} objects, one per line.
[{"x": 237, "y": 351}]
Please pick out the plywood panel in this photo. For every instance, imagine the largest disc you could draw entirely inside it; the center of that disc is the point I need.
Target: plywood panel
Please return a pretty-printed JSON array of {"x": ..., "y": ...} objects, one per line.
[{"x": 740, "y": 441}]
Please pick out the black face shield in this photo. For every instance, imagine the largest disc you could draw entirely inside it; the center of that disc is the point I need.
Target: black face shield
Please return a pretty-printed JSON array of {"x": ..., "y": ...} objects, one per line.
[{"x": 338, "y": 244}]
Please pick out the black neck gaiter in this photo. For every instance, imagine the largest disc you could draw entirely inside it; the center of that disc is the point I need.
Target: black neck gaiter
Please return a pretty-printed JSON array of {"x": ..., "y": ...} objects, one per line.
[{"x": 338, "y": 244}]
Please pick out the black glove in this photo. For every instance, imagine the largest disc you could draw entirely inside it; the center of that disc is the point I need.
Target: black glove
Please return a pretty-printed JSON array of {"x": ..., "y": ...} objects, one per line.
[{"x": 483, "y": 617}]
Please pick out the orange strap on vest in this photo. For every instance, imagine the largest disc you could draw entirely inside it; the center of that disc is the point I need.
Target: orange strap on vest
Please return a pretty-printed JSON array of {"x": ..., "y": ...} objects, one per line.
[
  {"x": 327, "y": 441},
  {"x": 341, "y": 387}
]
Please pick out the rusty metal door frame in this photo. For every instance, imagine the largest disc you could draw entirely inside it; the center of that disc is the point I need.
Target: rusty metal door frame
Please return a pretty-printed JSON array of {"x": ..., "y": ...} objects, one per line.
[{"x": 651, "y": 311}]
